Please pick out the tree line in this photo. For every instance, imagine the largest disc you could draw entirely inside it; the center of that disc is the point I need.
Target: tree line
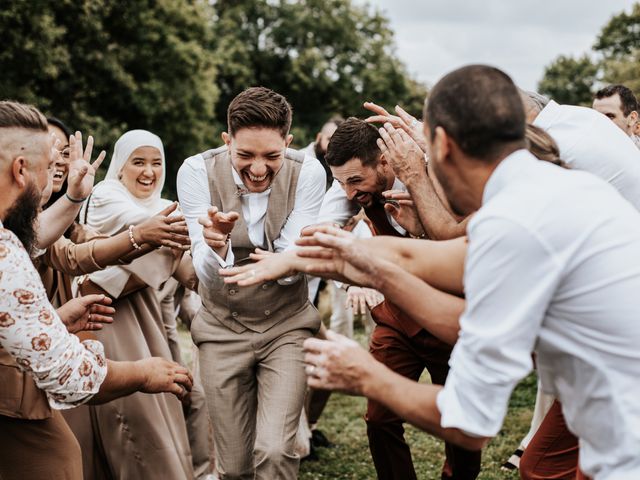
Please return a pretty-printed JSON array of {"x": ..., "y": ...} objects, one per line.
[{"x": 172, "y": 66}]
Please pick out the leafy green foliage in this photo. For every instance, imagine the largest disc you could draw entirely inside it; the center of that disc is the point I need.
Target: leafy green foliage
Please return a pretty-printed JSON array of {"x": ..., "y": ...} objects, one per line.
[{"x": 615, "y": 59}]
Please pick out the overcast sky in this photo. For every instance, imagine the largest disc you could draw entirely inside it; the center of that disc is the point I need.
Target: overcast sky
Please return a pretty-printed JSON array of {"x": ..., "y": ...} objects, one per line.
[{"x": 519, "y": 36}]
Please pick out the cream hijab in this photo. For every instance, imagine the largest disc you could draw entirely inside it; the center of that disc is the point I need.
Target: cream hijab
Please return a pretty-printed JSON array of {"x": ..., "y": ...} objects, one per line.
[{"x": 112, "y": 208}]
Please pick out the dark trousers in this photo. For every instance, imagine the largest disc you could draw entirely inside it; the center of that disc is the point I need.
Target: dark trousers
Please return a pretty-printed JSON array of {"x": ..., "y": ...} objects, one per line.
[
  {"x": 552, "y": 453},
  {"x": 409, "y": 357}
]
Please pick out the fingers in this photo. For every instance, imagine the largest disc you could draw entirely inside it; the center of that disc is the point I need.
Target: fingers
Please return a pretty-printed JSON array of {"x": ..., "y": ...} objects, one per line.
[
  {"x": 315, "y": 252},
  {"x": 184, "y": 380},
  {"x": 88, "y": 149},
  {"x": 174, "y": 219},
  {"x": 230, "y": 272},
  {"x": 169, "y": 210},
  {"x": 314, "y": 345},
  {"x": 375, "y": 108},
  {"x": 362, "y": 303},
  {"x": 211, "y": 211},
  {"x": 406, "y": 117}
]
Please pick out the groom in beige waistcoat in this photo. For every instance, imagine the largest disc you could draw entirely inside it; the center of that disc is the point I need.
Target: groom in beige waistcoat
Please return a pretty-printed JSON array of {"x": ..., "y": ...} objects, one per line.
[{"x": 252, "y": 193}]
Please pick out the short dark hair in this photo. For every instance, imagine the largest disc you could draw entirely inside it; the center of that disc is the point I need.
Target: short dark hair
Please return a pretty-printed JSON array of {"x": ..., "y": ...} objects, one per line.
[
  {"x": 628, "y": 100},
  {"x": 480, "y": 109},
  {"x": 259, "y": 107},
  {"x": 56, "y": 122},
  {"x": 354, "y": 138},
  {"x": 19, "y": 115}
]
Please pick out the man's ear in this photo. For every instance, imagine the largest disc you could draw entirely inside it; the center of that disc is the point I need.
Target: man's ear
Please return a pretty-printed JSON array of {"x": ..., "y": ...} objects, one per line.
[
  {"x": 441, "y": 144},
  {"x": 226, "y": 138},
  {"x": 19, "y": 171},
  {"x": 287, "y": 140},
  {"x": 632, "y": 119}
]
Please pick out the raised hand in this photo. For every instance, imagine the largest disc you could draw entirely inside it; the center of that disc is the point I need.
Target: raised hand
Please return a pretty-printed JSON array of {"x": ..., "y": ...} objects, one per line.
[
  {"x": 165, "y": 376},
  {"x": 164, "y": 229},
  {"x": 86, "y": 313},
  {"x": 217, "y": 226},
  {"x": 411, "y": 125},
  {"x": 81, "y": 171},
  {"x": 402, "y": 209},
  {"x": 403, "y": 154}
]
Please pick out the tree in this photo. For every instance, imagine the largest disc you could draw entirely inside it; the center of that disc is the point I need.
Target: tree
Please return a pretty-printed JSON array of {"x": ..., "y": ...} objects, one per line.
[
  {"x": 325, "y": 56},
  {"x": 109, "y": 66},
  {"x": 569, "y": 80}
]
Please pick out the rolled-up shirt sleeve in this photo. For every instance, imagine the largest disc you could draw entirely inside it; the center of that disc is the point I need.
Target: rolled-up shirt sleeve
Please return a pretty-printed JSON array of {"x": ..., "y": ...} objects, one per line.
[
  {"x": 510, "y": 276},
  {"x": 69, "y": 371},
  {"x": 193, "y": 193}
]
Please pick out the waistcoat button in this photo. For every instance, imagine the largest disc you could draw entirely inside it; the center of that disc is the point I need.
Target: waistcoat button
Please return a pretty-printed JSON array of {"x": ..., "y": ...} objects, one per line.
[
  {"x": 232, "y": 292},
  {"x": 265, "y": 286},
  {"x": 234, "y": 314},
  {"x": 267, "y": 312}
]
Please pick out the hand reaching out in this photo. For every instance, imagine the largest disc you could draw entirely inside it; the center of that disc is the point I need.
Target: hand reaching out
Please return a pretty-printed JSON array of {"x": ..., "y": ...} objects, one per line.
[
  {"x": 411, "y": 125},
  {"x": 86, "y": 313},
  {"x": 403, "y": 154},
  {"x": 359, "y": 299},
  {"x": 81, "y": 171},
  {"x": 403, "y": 211},
  {"x": 164, "y": 229},
  {"x": 217, "y": 226}
]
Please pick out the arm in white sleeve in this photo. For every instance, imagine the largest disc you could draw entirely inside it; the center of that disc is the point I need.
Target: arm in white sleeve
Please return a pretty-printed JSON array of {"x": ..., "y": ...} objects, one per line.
[
  {"x": 510, "y": 277},
  {"x": 309, "y": 193},
  {"x": 336, "y": 207},
  {"x": 193, "y": 194}
]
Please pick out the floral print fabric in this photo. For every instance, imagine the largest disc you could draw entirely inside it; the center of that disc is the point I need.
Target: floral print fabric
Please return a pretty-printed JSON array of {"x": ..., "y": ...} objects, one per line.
[{"x": 69, "y": 371}]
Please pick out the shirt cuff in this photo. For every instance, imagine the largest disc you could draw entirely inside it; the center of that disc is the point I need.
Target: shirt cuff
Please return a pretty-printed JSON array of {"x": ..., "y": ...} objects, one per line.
[{"x": 228, "y": 261}]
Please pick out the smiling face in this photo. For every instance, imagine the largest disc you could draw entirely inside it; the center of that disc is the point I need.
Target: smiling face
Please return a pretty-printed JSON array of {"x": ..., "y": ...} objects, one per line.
[
  {"x": 142, "y": 171},
  {"x": 61, "y": 167},
  {"x": 363, "y": 184},
  {"x": 257, "y": 155}
]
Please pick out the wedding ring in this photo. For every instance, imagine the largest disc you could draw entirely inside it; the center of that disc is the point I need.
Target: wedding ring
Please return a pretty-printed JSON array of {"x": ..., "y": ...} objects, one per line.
[
  {"x": 414, "y": 122},
  {"x": 312, "y": 370}
]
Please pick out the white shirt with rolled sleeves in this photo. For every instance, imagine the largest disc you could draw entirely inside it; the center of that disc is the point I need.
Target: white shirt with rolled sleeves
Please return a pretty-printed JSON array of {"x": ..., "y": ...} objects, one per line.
[
  {"x": 195, "y": 200},
  {"x": 589, "y": 141},
  {"x": 553, "y": 266}
]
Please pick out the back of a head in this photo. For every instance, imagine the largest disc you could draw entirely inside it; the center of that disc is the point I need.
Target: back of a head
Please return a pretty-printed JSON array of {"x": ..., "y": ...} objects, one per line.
[
  {"x": 628, "y": 100},
  {"x": 259, "y": 107},
  {"x": 480, "y": 108},
  {"x": 354, "y": 138},
  {"x": 19, "y": 115}
]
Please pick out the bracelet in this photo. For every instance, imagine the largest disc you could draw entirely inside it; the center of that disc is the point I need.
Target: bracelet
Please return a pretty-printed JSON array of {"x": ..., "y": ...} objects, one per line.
[
  {"x": 133, "y": 241},
  {"x": 74, "y": 200}
]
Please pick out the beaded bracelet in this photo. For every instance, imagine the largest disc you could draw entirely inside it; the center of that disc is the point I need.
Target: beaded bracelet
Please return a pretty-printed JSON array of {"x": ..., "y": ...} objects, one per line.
[{"x": 133, "y": 241}]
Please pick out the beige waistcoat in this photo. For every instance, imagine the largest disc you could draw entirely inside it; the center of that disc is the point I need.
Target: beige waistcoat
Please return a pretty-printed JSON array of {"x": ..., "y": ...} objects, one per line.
[{"x": 258, "y": 307}]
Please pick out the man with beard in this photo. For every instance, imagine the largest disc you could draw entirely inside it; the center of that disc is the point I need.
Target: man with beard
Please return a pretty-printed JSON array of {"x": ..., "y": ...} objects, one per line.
[
  {"x": 43, "y": 367},
  {"x": 362, "y": 174},
  {"x": 547, "y": 269},
  {"x": 253, "y": 193}
]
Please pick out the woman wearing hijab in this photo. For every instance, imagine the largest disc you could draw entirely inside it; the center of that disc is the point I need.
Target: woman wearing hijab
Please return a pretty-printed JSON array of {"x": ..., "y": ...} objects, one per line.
[{"x": 141, "y": 436}]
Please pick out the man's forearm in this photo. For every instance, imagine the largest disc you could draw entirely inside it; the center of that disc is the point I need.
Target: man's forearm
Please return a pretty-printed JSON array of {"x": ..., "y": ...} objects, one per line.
[
  {"x": 123, "y": 378},
  {"x": 413, "y": 402},
  {"x": 434, "y": 310},
  {"x": 55, "y": 220},
  {"x": 437, "y": 221}
]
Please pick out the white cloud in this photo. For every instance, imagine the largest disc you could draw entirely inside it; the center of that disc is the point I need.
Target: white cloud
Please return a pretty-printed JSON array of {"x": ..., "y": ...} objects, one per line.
[{"x": 519, "y": 36}]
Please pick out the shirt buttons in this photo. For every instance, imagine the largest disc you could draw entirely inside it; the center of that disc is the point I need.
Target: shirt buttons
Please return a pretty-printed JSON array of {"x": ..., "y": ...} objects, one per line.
[
  {"x": 267, "y": 312},
  {"x": 265, "y": 286},
  {"x": 234, "y": 314}
]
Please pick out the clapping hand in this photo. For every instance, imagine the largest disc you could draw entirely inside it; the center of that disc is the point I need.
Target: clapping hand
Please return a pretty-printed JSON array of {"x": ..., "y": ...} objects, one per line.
[
  {"x": 86, "y": 313},
  {"x": 81, "y": 171},
  {"x": 403, "y": 154},
  {"x": 164, "y": 229}
]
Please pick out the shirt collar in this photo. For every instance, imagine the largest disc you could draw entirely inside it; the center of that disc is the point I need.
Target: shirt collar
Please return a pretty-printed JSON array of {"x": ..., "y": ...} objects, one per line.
[
  {"x": 509, "y": 167},
  {"x": 547, "y": 115}
]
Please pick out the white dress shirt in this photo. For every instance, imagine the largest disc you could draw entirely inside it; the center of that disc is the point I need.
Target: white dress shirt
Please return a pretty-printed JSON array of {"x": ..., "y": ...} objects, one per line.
[
  {"x": 589, "y": 141},
  {"x": 553, "y": 265},
  {"x": 195, "y": 199},
  {"x": 337, "y": 208}
]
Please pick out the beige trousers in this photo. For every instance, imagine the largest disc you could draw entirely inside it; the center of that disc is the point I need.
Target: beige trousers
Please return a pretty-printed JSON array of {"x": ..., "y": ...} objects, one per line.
[{"x": 255, "y": 386}]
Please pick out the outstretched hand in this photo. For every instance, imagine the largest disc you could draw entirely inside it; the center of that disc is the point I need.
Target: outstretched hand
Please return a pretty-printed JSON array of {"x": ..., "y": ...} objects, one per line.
[
  {"x": 86, "y": 313},
  {"x": 411, "y": 125},
  {"x": 217, "y": 226},
  {"x": 164, "y": 229},
  {"x": 337, "y": 363},
  {"x": 82, "y": 172},
  {"x": 402, "y": 209}
]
